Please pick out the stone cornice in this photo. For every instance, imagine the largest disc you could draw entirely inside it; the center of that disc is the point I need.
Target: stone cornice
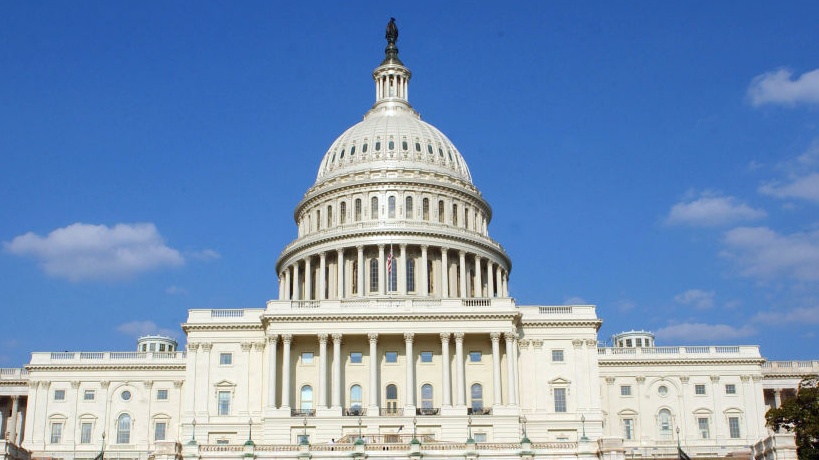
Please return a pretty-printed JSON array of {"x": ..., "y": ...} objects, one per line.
[
  {"x": 540, "y": 324},
  {"x": 682, "y": 361},
  {"x": 104, "y": 367},
  {"x": 222, "y": 326},
  {"x": 347, "y": 317}
]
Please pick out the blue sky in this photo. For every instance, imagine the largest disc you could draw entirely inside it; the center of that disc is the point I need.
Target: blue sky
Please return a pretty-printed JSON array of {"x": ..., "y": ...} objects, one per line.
[{"x": 657, "y": 159}]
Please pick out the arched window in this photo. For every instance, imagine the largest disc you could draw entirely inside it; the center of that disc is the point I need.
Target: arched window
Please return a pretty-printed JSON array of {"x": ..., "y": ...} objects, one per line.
[
  {"x": 392, "y": 277},
  {"x": 318, "y": 219},
  {"x": 466, "y": 218},
  {"x": 124, "y": 429},
  {"x": 391, "y": 145},
  {"x": 391, "y": 207},
  {"x": 404, "y": 145},
  {"x": 329, "y": 216},
  {"x": 357, "y": 209},
  {"x": 441, "y": 211},
  {"x": 392, "y": 400},
  {"x": 454, "y": 214},
  {"x": 425, "y": 210},
  {"x": 377, "y": 146},
  {"x": 307, "y": 398},
  {"x": 374, "y": 208},
  {"x": 355, "y": 400},
  {"x": 343, "y": 213},
  {"x": 374, "y": 275},
  {"x": 430, "y": 278},
  {"x": 476, "y": 393},
  {"x": 408, "y": 207},
  {"x": 354, "y": 279},
  {"x": 410, "y": 274},
  {"x": 664, "y": 423},
  {"x": 426, "y": 397}
]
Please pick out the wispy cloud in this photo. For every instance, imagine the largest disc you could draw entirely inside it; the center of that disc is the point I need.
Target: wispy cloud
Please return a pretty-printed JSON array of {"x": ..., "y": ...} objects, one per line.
[
  {"x": 763, "y": 253},
  {"x": 804, "y": 315},
  {"x": 142, "y": 328},
  {"x": 702, "y": 332},
  {"x": 575, "y": 301},
  {"x": 801, "y": 177},
  {"x": 778, "y": 87},
  {"x": 175, "y": 290},
  {"x": 711, "y": 210},
  {"x": 697, "y": 298},
  {"x": 205, "y": 254}
]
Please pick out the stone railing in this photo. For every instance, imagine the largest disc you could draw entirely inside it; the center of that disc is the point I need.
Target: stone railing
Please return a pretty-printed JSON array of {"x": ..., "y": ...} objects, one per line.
[
  {"x": 405, "y": 304},
  {"x": 107, "y": 357},
  {"x": 790, "y": 367},
  {"x": 13, "y": 373},
  {"x": 711, "y": 352},
  {"x": 227, "y": 315}
]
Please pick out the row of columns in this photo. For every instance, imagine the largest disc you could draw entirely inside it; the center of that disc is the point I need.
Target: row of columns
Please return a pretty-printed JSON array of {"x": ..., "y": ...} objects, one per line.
[
  {"x": 290, "y": 282},
  {"x": 10, "y": 430},
  {"x": 410, "y": 402},
  {"x": 391, "y": 85}
]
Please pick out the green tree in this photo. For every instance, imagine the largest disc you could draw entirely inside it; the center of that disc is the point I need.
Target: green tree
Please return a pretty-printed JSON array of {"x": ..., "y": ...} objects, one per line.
[{"x": 800, "y": 416}]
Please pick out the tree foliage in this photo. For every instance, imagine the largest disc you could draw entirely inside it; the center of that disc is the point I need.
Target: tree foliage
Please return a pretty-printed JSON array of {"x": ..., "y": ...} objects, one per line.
[{"x": 800, "y": 416}]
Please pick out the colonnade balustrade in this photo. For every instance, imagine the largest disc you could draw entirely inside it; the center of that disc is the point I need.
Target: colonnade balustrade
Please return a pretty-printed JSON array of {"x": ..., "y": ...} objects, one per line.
[
  {"x": 374, "y": 406},
  {"x": 383, "y": 270}
]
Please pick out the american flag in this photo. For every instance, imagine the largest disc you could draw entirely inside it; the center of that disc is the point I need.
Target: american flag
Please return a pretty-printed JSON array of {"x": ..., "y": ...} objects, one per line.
[{"x": 389, "y": 261}]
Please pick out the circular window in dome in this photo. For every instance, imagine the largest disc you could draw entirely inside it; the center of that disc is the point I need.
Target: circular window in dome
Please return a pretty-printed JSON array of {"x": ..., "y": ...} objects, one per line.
[
  {"x": 662, "y": 390},
  {"x": 125, "y": 395}
]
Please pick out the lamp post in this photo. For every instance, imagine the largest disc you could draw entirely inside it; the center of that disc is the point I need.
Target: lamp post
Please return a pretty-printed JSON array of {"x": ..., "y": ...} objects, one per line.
[
  {"x": 193, "y": 432},
  {"x": 360, "y": 440},
  {"x": 414, "y": 428},
  {"x": 469, "y": 430},
  {"x": 678, "y": 439},
  {"x": 249, "y": 430},
  {"x": 583, "y": 424}
]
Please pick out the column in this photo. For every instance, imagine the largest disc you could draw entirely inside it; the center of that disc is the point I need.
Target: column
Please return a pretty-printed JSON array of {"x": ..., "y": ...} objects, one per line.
[
  {"x": 490, "y": 289},
  {"x": 322, "y": 397},
  {"x": 410, "y": 358},
  {"x": 373, "y": 390},
  {"x": 505, "y": 284},
  {"x": 462, "y": 271},
  {"x": 382, "y": 275},
  {"x": 296, "y": 283},
  {"x": 499, "y": 280},
  {"x": 402, "y": 269},
  {"x": 337, "y": 371},
  {"x": 308, "y": 279},
  {"x": 510, "y": 369},
  {"x": 424, "y": 288},
  {"x": 361, "y": 287},
  {"x": 496, "y": 369},
  {"x": 459, "y": 369},
  {"x": 286, "y": 340},
  {"x": 340, "y": 273},
  {"x": 444, "y": 274},
  {"x": 273, "y": 341},
  {"x": 322, "y": 277},
  {"x": 281, "y": 287},
  {"x": 287, "y": 289},
  {"x": 445, "y": 366},
  {"x": 15, "y": 402},
  {"x": 478, "y": 280},
  {"x": 777, "y": 397}
]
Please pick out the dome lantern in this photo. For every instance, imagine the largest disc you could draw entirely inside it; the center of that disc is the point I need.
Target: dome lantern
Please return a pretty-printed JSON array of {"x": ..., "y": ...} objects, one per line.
[{"x": 391, "y": 77}]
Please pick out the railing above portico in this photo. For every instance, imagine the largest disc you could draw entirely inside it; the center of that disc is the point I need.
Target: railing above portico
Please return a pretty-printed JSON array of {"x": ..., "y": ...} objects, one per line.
[
  {"x": 404, "y": 304},
  {"x": 711, "y": 352}
]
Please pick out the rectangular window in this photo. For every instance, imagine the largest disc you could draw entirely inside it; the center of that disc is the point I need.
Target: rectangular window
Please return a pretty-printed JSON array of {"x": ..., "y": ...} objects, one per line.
[
  {"x": 56, "y": 432},
  {"x": 222, "y": 442},
  {"x": 426, "y": 356},
  {"x": 161, "y": 395},
  {"x": 702, "y": 424},
  {"x": 225, "y": 359},
  {"x": 474, "y": 356},
  {"x": 88, "y": 395},
  {"x": 85, "y": 433},
  {"x": 639, "y": 342},
  {"x": 628, "y": 429},
  {"x": 391, "y": 357},
  {"x": 159, "y": 431},
  {"x": 161, "y": 347},
  {"x": 733, "y": 427},
  {"x": 628, "y": 343},
  {"x": 730, "y": 389},
  {"x": 557, "y": 356},
  {"x": 480, "y": 437},
  {"x": 560, "y": 399},
  {"x": 224, "y": 403},
  {"x": 304, "y": 439},
  {"x": 699, "y": 389},
  {"x": 356, "y": 357},
  {"x": 625, "y": 390},
  {"x": 59, "y": 395},
  {"x": 307, "y": 357}
]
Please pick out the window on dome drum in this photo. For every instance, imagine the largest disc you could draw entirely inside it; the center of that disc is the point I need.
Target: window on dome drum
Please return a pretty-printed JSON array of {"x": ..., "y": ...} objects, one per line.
[
  {"x": 329, "y": 216},
  {"x": 364, "y": 148},
  {"x": 391, "y": 400},
  {"x": 638, "y": 342},
  {"x": 124, "y": 429},
  {"x": 373, "y": 275},
  {"x": 702, "y": 426},
  {"x": 161, "y": 347},
  {"x": 56, "y": 432},
  {"x": 357, "y": 209},
  {"x": 355, "y": 399},
  {"x": 391, "y": 357},
  {"x": 85, "y": 433},
  {"x": 426, "y": 356},
  {"x": 625, "y": 390},
  {"x": 404, "y": 145},
  {"x": 429, "y": 148},
  {"x": 449, "y": 152},
  {"x": 466, "y": 217},
  {"x": 391, "y": 145},
  {"x": 392, "y": 278},
  {"x": 161, "y": 395},
  {"x": 455, "y": 214},
  {"x": 426, "y": 396},
  {"x": 425, "y": 208},
  {"x": 733, "y": 427},
  {"x": 408, "y": 207},
  {"x": 730, "y": 389},
  {"x": 628, "y": 343},
  {"x": 318, "y": 219},
  {"x": 664, "y": 421},
  {"x": 441, "y": 212},
  {"x": 699, "y": 389},
  {"x": 342, "y": 213},
  {"x": 354, "y": 280},
  {"x": 378, "y": 146},
  {"x": 475, "y": 356},
  {"x": 223, "y": 403},
  {"x": 374, "y": 207},
  {"x": 391, "y": 207},
  {"x": 159, "y": 431},
  {"x": 410, "y": 274},
  {"x": 356, "y": 357},
  {"x": 88, "y": 395},
  {"x": 59, "y": 395},
  {"x": 306, "y": 398},
  {"x": 440, "y": 152},
  {"x": 560, "y": 399},
  {"x": 352, "y": 150},
  {"x": 476, "y": 395},
  {"x": 225, "y": 359},
  {"x": 417, "y": 147},
  {"x": 430, "y": 278},
  {"x": 557, "y": 356}
]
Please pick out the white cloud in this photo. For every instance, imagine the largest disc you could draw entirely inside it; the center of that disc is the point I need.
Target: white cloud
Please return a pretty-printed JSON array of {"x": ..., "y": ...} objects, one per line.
[
  {"x": 81, "y": 252},
  {"x": 142, "y": 328},
  {"x": 763, "y": 253},
  {"x": 205, "y": 254},
  {"x": 805, "y": 187},
  {"x": 575, "y": 301},
  {"x": 701, "y": 332},
  {"x": 804, "y": 315},
  {"x": 697, "y": 298},
  {"x": 710, "y": 210},
  {"x": 777, "y": 87},
  {"x": 175, "y": 290}
]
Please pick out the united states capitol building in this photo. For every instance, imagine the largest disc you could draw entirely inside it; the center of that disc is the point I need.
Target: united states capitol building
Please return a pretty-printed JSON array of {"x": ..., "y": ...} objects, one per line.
[{"x": 393, "y": 335}]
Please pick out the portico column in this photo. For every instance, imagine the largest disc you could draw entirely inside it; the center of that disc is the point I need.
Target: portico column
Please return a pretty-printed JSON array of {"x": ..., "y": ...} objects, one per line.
[
  {"x": 281, "y": 287},
  {"x": 510, "y": 369},
  {"x": 459, "y": 368},
  {"x": 462, "y": 271},
  {"x": 478, "y": 281},
  {"x": 777, "y": 397},
  {"x": 286, "y": 340},
  {"x": 444, "y": 274},
  {"x": 308, "y": 279},
  {"x": 322, "y": 276},
  {"x": 408, "y": 338},
  {"x": 340, "y": 272},
  {"x": 424, "y": 290},
  {"x": 287, "y": 288},
  {"x": 402, "y": 269},
  {"x": 499, "y": 280},
  {"x": 15, "y": 402},
  {"x": 272, "y": 350},
  {"x": 337, "y": 371},
  {"x": 373, "y": 390},
  {"x": 505, "y": 283},
  {"x": 296, "y": 285},
  {"x": 361, "y": 288},
  {"x": 382, "y": 275},
  {"x": 490, "y": 289},
  {"x": 445, "y": 365},
  {"x": 496, "y": 368},
  {"x": 322, "y": 399}
]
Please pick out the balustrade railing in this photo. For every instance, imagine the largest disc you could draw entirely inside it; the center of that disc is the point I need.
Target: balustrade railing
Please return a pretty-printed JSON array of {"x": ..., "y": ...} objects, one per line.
[
  {"x": 427, "y": 411},
  {"x": 227, "y": 313},
  {"x": 302, "y": 412},
  {"x": 745, "y": 351},
  {"x": 355, "y": 411},
  {"x": 391, "y": 411},
  {"x": 479, "y": 411},
  {"x": 555, "y": 310}
]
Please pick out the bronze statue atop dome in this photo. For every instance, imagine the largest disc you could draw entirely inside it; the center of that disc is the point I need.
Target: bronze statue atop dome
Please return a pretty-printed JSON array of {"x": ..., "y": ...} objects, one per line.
[{"x": 392, "y": 32}]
